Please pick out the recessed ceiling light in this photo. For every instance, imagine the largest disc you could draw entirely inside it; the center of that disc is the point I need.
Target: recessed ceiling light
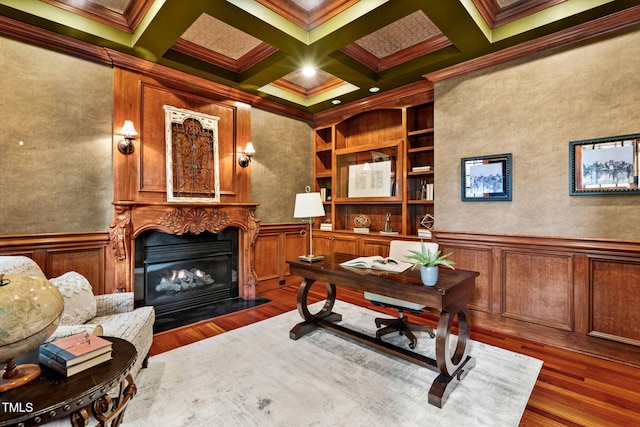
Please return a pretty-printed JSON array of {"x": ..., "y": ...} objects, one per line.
[
  {"x": 308, "y": 70},
  {"x": 374, "y": 89},
  {"x": 336, "y": 102}
]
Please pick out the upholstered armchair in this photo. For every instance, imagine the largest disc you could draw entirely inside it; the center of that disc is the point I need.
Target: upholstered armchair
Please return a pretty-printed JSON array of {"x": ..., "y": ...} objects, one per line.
[{"x": 110, "y": 315}]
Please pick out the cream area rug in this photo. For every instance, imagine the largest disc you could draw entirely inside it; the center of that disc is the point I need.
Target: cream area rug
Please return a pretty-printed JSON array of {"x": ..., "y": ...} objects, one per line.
[{"x": 257, "y": 376}]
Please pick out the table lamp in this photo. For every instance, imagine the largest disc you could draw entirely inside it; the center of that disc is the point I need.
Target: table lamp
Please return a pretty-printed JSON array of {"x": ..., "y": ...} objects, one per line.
[
  {"x": 309, "y": 205},
  {"x": 30, "y": 310}
]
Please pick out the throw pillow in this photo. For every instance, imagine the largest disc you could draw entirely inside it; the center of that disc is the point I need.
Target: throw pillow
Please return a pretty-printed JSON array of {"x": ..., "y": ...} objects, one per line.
[{"x": 79, "y": 302}]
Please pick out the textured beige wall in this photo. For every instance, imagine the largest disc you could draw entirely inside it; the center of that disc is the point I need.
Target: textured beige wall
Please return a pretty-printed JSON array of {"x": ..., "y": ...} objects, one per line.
[
  {"x": 282, "y": 165},
  {"x": 533, "y": 108},
  {"x": 60, "y": 107}
]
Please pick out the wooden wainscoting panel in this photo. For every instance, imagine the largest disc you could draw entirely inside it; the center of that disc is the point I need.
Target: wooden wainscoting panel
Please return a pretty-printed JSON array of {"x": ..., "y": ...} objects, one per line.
[
  {"x": 59, "y": 253},
  {"x": 475, "y": 259},
  {"x": 321, "y": 243},
  {"x": 615, "y": 295},
  {"x": 581, "y": 294},
  {"x": 325, "y": 242},
  {"x": 276, "y": 244},
  {"x": 295, "y": 244},
  {"x": 538, "y": 288},
  {"x": 267, "y": 256},
  {"x": 345, "y": 244},
  {"x": 90, "y": 262},
  {"x": 374, "y": 246}
]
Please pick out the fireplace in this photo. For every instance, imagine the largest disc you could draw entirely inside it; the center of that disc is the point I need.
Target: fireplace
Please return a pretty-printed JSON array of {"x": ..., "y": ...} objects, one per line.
[
  {"x": 134, "y": 222},
  {"x": 176, "y": 272}
]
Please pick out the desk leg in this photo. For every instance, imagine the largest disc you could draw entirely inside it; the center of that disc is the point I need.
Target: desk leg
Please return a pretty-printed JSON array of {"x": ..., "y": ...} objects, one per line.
[
  {"x": 453, "y": 367},
  {"x": 310, "y": 320}
]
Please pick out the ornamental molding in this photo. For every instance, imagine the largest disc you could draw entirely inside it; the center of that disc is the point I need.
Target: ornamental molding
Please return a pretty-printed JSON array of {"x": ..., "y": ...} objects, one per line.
[
  {"x": 119, "y": 228},
  {"x": 194, "y": 220}
]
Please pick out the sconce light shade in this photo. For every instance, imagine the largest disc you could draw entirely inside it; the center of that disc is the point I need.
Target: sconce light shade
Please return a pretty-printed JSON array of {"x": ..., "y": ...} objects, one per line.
[
  {"x": 129, "y": 132},
  {"x": 245, "y": 158},
  {"x": 249, "y": 150},
  {"x": 128, "y": 129}
]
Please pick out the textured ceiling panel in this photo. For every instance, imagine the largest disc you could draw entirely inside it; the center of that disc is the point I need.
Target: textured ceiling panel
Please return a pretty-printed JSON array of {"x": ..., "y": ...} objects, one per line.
[
  {"x": 403, "y": 33},
  {"x": 219, "y": 37},
  {"x": 308, "y": 82}
]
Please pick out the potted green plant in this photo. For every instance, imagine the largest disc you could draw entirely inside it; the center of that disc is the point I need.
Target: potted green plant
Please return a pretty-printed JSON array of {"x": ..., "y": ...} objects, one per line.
[{"x": 429, "y": 262}]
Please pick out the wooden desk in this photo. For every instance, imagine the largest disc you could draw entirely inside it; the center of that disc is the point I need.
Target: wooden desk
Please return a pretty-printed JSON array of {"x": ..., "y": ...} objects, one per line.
[
  {"x": 449, "y": 296},
  {"x": 52, "y": 395}
]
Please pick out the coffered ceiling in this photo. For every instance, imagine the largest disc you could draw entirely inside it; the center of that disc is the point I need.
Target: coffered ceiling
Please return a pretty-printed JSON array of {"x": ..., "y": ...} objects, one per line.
[{"x": 356, "y": 46}]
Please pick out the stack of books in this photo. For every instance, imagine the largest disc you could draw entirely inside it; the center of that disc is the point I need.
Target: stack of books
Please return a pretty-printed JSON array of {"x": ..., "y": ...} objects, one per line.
[
  {"x": 75, "y": 353},
  {"x": 325, "y": 194},
  {"x": 427, "y": 192},
  {"x": 420, "y": 168},
  {"x": 326, "y": 226},
  {"x": 424, "y": 233}
]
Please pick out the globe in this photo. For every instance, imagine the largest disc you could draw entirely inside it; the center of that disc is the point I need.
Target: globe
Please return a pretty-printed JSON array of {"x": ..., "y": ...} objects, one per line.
[{"x": 30, "y": 310}]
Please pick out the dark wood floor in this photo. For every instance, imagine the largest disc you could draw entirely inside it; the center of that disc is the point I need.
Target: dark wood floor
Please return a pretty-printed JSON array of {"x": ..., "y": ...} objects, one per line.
[{"x": 573, "y": 389}]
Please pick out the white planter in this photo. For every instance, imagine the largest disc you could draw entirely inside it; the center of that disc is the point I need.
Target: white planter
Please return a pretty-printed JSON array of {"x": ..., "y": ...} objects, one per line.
[{"x": 429, "y": 275}]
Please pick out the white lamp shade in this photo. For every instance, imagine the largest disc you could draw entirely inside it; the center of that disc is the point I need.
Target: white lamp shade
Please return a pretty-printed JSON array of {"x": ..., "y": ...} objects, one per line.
[
  {"x": 128, "y": 129},
  {"x": 308, "y": 205},
  {"x": 249, "y": 150}
]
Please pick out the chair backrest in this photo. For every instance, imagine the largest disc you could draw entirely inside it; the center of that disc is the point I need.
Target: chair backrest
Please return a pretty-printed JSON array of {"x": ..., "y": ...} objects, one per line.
[{"x": 400, "y": 248}]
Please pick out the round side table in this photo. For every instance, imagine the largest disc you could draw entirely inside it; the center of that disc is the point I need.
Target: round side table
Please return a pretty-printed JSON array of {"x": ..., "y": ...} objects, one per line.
[{"x": 52, "y": 395}]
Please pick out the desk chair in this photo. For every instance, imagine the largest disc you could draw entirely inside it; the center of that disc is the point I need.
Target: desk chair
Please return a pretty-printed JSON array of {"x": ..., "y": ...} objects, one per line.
[{"x": 398, "y": 250}]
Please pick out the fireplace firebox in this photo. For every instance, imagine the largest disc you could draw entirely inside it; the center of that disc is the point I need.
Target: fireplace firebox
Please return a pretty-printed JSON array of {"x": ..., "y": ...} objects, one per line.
[{"x": 178, "y": 272}]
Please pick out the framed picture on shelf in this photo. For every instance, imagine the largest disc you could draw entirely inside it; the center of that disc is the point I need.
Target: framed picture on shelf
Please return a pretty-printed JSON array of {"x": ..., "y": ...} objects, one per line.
[
  {"x": 370, "y": 179},
  {"x": 604, "y": 166},
  {"x": 486, "y": 178}
]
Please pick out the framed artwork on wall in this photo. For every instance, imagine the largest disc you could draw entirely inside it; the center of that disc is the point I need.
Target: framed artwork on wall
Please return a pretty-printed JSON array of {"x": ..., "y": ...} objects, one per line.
[
  {"x": 192, "y": 162},
  {"x": 486, "y": 178},
  {"x": 604, "y": 165}
]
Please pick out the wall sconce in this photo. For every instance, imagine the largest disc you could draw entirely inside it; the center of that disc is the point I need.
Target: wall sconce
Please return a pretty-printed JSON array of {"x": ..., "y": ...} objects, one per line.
[
  {"x": 245, "y": 158},
  {"x": 129, "y": 132}
]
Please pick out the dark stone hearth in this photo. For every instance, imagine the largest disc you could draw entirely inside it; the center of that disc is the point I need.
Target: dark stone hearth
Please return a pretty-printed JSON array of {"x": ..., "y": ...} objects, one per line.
[{"x": 193, "y": 315}]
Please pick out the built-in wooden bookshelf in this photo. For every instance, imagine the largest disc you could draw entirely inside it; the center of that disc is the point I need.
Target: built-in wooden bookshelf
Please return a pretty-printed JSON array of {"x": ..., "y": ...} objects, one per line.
[
  {"x": 377, "y": 163},
  {"x": 420, "y": 151}
]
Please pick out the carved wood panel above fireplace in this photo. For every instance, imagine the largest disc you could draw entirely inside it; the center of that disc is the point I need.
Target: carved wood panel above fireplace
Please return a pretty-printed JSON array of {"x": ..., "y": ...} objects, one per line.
[
  {"x": 140, "y": 179},
  {"x": 141, "y": 175}
]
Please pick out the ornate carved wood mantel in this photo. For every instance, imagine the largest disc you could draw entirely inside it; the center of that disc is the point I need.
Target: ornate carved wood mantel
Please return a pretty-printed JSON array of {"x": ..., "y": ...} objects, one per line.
[{"x": 131, "y": 219}]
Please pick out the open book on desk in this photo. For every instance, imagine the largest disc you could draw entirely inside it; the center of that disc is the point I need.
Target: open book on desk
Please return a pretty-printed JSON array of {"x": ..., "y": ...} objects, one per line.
[{"x": 377, "y": 262}]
